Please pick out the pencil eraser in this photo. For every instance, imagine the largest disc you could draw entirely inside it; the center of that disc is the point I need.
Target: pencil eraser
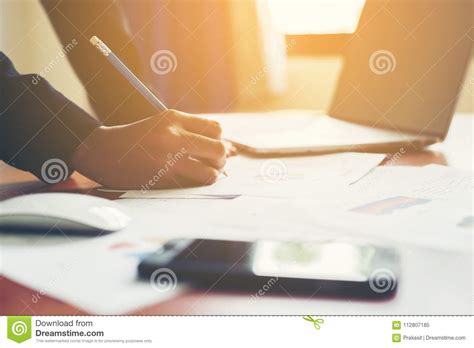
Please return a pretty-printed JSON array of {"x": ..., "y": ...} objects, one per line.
[{"x": 94, "y": 40}]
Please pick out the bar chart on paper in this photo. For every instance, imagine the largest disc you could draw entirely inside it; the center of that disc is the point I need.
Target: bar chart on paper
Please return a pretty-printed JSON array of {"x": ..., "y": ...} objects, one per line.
[{"x": 389, "y": 205}]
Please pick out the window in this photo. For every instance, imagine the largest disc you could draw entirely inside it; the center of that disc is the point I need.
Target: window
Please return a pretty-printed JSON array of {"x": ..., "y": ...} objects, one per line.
[{"x": 298, "y": 17}]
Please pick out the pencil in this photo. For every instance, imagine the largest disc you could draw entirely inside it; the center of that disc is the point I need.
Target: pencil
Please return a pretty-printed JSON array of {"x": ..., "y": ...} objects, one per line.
[{"x": 129, "y": 75}]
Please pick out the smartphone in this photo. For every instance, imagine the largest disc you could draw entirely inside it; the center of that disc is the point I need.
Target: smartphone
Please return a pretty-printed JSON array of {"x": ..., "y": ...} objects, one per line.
[{"x": 323, "y": 268}]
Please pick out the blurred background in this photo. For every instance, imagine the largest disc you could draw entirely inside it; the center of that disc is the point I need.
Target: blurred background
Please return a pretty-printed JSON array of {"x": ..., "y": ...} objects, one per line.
[{"x": 274, "y": 53}]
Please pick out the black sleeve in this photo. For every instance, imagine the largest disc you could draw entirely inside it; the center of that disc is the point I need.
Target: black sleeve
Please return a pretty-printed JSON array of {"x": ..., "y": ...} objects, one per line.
[
  {"x": 112, "y": 97},
  {"x": 39, "y": 127}
]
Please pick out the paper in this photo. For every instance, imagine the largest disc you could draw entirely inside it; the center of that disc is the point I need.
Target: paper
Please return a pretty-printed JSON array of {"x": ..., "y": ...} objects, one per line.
[
  {"x": 276, "y": 177},
  {"x": 98, "y": 275},
  {"x": 415, "y": 205},
  {"x": 432, "y": 181},
  {"x": 424, "y": 206},
  {"x": 389, "y": 205}
]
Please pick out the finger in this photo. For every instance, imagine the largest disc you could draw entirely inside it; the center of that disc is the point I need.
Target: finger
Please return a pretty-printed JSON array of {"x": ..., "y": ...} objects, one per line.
[
  {"x": 230, "y": 149},
  {"x": 200, "y": 125},
  {"x": 197, "y": 173},
  {"x": 232, "y": 152},
  {"x": 179, "y": 182},
  {"x": 164, "y": 182},
  {"x": 211, "y": 163},
  {"x": 158, "y": 177},
  {"x": 201, "y": 147}
]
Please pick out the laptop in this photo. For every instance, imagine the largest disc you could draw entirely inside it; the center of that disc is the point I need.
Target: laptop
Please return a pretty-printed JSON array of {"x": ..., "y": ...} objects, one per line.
[{"x": 403, "y": 71}]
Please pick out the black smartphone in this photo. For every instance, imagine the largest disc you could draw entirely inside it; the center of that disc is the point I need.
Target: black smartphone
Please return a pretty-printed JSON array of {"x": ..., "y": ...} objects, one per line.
[{"x": 323, "y": 268}]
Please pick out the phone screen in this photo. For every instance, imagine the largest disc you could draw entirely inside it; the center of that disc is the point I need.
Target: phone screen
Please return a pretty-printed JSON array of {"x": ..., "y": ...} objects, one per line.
[
  {"x": 331, "y": 261},
  {"x": 309, "y": 260}
]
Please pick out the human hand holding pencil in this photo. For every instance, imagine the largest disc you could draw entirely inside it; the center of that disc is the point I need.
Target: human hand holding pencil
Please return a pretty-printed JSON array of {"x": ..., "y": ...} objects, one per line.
[{"x": 171, "y": 149}]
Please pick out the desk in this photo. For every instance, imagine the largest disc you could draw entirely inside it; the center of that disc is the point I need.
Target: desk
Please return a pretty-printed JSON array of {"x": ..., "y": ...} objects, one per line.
[{"x": 434, "y": 282}]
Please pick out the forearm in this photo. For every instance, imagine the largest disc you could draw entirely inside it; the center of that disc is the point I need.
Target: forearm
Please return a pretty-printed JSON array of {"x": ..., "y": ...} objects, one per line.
[{"x": 40, "y": 128}]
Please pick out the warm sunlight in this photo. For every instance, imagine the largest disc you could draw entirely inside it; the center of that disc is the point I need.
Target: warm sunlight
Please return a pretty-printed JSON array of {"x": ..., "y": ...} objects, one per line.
[
  {"x": 233, "y": 173},
  {"x": 316, "y": 16}
]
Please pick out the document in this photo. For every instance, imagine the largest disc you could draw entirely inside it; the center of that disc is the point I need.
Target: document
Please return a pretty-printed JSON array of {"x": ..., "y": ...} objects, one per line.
[
  {"x": 428, "y": 206},
  {"x": 97, "y": 275},
  {"x": 425, "y": 206},
  {"x": 275, "y": 177},
  {"x": 105, "y": 268}
]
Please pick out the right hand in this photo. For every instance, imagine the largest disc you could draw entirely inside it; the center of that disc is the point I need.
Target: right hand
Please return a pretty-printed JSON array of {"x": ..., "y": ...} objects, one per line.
[{"x": 170, "y": 150}]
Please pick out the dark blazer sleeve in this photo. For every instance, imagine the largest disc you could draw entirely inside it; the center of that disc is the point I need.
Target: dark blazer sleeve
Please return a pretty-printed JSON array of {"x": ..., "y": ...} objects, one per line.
[
  {"x": 40, "y": 128},
  {"x": 112, "y": 97}
]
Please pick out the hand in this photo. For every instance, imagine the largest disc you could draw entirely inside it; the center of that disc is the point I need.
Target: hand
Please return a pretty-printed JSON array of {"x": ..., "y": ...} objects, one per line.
[
  {"x": 172, "y": 149},
  {"x": 230, "y": 149}
]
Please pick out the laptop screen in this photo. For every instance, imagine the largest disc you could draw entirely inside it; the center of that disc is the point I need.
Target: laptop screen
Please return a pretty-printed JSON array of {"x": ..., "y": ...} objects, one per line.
[{"x": 405, "y": 64}]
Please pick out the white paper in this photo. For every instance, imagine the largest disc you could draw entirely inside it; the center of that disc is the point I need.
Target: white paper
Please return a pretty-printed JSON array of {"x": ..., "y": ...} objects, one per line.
[
  {"x": 414, "y": 205},
  {"x": 389, "y": 205},
  {"x": 276, "y": 177},
  {"x": 435, "y": 211},
  {"x": 98, "y": 275}
]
